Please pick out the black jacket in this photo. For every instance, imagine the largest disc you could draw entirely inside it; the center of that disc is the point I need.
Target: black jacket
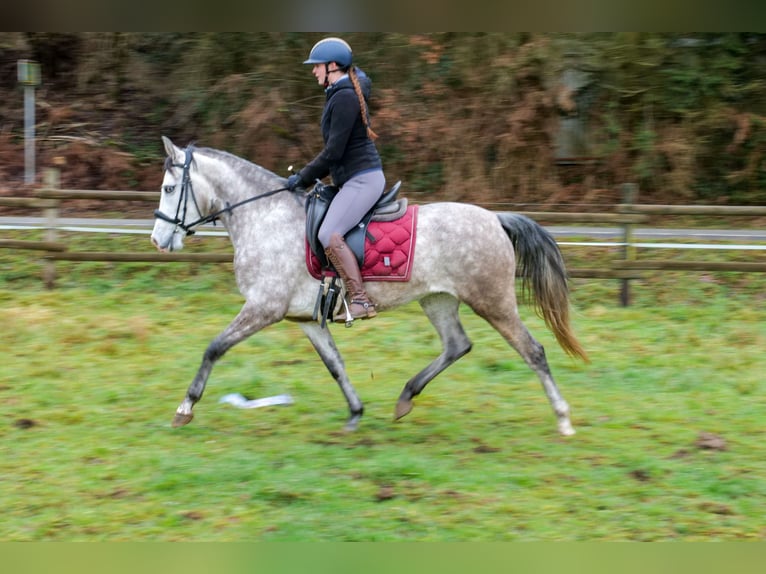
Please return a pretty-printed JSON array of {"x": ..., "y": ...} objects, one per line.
[{"x": 348, "y": 150}]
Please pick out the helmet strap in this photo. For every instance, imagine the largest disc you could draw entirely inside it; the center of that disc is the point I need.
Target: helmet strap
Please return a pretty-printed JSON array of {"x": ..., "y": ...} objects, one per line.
[{"x": 328, "y": 71}]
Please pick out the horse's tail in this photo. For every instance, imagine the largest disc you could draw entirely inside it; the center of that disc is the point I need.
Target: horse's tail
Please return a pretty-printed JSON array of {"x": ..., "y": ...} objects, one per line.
[{"x": 540, "y": 266}]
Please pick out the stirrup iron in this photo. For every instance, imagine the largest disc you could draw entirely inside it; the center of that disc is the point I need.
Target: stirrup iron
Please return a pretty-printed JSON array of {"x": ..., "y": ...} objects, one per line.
[{"x": 349, "y": 318}]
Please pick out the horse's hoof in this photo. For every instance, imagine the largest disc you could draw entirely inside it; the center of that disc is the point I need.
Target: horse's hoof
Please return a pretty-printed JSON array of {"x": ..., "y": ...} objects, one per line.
[
  {"x": 352, "y": 424},
  {"x": 182, "y": 419},
  {"x": 566, "y": 428},
  {"x": 403, "y": 407}
]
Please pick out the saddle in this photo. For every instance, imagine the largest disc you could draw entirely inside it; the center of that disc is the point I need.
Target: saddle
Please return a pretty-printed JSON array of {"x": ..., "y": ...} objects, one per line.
[{"x": 387, "y": 208}]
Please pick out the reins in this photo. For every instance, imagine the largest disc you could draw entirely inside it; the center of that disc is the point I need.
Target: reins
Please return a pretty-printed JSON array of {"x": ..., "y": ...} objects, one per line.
[
  {"x": 187, "y": 190},
  {"x": 213, "y": 217}
]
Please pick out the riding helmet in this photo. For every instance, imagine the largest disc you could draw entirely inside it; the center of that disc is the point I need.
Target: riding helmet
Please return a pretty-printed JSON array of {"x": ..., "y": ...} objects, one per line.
[{"x": 330, "y": 50}]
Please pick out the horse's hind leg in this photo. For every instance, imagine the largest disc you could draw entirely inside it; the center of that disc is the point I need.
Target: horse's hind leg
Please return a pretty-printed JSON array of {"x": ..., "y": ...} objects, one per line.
[
  {"x": 247, "y": 322},
  {"x": 325, "y": 346},
  {"x": 533, "y": 353},
  {"x": 442, "y": 310}
]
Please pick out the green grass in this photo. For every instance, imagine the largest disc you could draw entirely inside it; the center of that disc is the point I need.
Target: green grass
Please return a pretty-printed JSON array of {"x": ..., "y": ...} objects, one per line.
[{"x": 94, "y": 370}]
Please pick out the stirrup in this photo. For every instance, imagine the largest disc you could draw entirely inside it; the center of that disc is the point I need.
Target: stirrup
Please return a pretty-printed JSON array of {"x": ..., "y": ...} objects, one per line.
[{"x": 349, "y": 319}]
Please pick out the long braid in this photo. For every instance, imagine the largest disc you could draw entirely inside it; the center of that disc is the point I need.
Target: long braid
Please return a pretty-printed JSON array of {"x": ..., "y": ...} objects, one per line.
[{"x": 362, "y": 104}]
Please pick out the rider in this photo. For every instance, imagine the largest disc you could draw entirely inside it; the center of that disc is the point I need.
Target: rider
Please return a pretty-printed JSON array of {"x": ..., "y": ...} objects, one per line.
[{"x": 349, "y": 156}]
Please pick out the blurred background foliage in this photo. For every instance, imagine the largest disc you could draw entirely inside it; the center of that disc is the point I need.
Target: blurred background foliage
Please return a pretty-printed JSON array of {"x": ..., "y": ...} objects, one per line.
[{"x": 545, "y": 118}]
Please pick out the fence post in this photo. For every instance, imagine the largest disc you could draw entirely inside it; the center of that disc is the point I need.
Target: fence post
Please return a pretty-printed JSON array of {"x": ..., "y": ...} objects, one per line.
[
  {"x": 629, "y": 194},
  {"x": 51, "y": 179}
]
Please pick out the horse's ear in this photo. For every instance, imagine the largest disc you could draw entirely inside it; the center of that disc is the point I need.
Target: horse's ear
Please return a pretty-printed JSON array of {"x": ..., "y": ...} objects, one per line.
[{"x": 170, "y": 147}]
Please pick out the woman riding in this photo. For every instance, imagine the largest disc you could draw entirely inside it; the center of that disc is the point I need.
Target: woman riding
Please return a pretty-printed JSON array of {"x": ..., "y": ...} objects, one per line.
[{"x": 349, "y": 156}]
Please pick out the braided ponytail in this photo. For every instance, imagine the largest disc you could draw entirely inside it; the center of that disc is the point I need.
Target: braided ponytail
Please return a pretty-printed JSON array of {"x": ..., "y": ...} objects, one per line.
[{"x": 362, "y": 104}]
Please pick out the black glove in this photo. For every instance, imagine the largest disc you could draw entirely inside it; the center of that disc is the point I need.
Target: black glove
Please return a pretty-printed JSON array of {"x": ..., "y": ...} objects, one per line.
[{"x": 294, "y": 182}]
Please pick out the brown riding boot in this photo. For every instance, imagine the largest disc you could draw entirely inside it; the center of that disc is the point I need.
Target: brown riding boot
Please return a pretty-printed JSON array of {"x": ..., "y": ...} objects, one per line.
[{"x": 345, "y": 263}]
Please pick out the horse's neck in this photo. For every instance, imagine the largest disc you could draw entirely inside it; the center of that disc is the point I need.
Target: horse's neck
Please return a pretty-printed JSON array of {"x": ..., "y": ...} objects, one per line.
[{"x": 272, "y": 214}]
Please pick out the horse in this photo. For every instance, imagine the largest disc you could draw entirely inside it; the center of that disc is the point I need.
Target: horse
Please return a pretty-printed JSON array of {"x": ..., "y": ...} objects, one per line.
[{"x": 464, "y": 254}]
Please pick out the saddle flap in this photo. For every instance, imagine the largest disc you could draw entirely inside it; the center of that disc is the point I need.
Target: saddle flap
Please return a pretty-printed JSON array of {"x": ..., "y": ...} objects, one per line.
[{"x": 317, "y": 203}]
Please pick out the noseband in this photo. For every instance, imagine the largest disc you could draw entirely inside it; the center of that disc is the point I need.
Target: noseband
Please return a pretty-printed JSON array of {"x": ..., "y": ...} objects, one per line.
[{"x": 187, "y": 191}]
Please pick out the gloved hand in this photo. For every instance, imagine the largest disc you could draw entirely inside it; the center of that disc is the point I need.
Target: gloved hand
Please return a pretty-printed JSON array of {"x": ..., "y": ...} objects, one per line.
[{"x": 294, "y": 182}]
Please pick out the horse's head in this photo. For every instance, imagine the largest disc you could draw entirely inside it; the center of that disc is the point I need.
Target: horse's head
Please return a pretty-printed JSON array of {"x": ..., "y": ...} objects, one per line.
[{"x": 179, "y": 208}]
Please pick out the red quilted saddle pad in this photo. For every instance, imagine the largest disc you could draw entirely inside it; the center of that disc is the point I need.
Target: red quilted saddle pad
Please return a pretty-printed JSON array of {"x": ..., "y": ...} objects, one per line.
[{"x": 387, "y": 257}]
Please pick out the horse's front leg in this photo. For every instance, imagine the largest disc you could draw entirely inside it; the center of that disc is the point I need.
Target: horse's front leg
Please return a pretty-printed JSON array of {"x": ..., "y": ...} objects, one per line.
[
  {"x": 325, "y": 346},
  {"x": 247, "y": 322}
]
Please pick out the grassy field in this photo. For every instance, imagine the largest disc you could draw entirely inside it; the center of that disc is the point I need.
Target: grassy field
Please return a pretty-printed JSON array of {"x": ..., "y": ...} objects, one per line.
[{"x": 669, "y": 415}]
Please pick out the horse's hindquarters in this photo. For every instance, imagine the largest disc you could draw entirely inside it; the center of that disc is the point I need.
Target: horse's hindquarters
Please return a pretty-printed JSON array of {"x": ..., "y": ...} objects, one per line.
[{"x": 461, "y": 249}]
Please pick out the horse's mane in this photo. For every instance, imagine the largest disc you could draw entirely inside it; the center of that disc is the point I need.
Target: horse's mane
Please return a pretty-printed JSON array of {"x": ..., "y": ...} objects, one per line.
[{"x": 235, "y": 162}]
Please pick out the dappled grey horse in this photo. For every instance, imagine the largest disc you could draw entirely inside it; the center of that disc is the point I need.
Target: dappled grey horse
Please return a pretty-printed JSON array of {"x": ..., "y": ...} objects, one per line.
[{"x": 464, "y": 254}]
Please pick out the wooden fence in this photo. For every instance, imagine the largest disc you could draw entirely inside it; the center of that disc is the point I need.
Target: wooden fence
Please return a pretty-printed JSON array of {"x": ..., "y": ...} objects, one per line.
[{"x": 627, "y": 216}]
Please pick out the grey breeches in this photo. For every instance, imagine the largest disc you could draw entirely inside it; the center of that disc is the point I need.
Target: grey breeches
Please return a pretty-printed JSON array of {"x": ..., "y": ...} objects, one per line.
[{"x": 354, "y": 199}]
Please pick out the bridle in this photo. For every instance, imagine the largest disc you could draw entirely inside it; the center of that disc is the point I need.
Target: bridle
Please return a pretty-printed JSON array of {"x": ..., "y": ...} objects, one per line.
[{"x": 187, "y": 191}]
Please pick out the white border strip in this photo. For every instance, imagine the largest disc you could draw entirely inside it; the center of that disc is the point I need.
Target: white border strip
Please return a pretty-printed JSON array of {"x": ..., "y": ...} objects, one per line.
[
  {"x": 667, "y": 245},
  {"x": 224, "y": 233}
]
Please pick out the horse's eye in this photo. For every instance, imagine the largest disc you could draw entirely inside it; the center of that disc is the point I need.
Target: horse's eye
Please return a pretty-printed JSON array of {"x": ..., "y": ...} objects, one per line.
[{"x": 169, "y": 188}]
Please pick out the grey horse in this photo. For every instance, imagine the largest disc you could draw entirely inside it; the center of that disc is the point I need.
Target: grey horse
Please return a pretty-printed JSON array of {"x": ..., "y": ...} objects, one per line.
[{"x": 464, "y": 253}]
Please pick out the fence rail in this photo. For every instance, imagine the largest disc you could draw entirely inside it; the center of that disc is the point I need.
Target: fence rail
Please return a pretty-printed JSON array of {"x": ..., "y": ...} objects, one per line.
[
  {"x": 64, "y": 255},
  {"x": 728, "y": 210},
  {"x": 63, "y": 194},
  {"x": 627, "y": 215}
]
